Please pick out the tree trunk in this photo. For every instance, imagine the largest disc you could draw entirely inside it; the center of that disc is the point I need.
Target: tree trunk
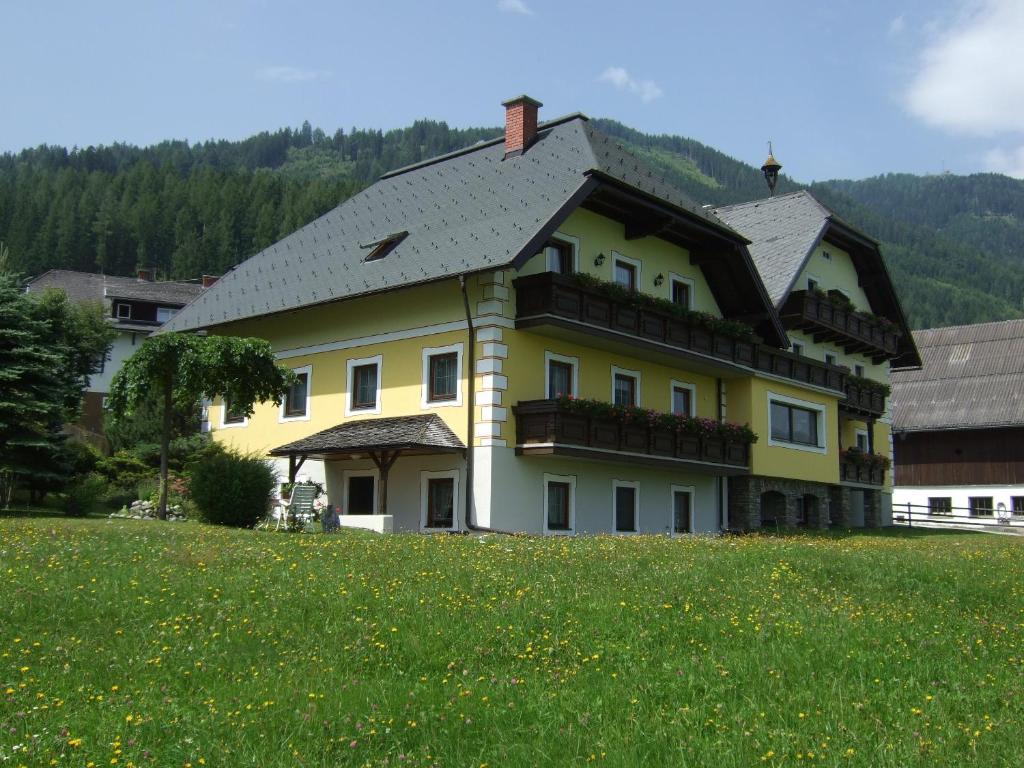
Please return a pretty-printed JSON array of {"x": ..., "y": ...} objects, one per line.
[{"x": 165, "y": 446}]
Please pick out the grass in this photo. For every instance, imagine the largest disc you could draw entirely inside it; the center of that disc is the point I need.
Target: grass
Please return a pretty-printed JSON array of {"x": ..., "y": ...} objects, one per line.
[{"x": 139, "y": 643}]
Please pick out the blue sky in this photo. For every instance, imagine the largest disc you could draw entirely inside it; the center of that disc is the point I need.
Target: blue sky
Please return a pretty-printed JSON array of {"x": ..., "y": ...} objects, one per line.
[{"x": 849, "y": 89}]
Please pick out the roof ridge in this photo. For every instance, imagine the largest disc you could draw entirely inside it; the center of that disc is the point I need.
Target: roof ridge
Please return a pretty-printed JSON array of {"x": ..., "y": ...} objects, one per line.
[
  {"x": 968, "y": 325},
  {"x": 482, "y": 144}
]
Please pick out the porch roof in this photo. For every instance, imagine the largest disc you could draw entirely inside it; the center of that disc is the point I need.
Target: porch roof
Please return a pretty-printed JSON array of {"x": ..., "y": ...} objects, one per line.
[{"x": 423, "y": 434}]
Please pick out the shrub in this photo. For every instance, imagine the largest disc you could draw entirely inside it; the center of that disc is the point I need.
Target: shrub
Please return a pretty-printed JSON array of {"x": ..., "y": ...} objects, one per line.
[
  {"x": 83, "y": 496},
  {"x": 231, "y": 488}
]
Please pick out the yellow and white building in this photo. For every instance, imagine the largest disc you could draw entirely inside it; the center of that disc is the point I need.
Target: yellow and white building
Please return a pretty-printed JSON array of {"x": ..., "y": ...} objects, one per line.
[{"x": 490, "y": 339}]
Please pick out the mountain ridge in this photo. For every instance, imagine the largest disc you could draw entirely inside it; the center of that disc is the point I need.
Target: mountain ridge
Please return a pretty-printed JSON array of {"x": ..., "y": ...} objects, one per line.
[{"x": 954, "y": 244}]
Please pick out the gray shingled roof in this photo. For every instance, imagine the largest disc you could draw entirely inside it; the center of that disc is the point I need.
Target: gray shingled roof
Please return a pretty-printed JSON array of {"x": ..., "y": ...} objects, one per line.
[
  {"x": 464, "y": 212},
  {"x": 972, "y": 377},
  {"x": 784, "y": 231},
  {"x": 86, "y": 286},
  {"x": 421, "y": 433}
]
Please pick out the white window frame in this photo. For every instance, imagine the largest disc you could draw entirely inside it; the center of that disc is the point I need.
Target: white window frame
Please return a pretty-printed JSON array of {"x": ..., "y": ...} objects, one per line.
[
  {"x": 428, "y": 352},
  {"x": 281, "y": 417},
  {"x": 856, "y": 435},
  {"x": 689, "y": 281},
  {"x": 635, "y": 263},
  {"x": 171, "y": 310},
  {"x": 425, "y": 478},
  {"x": 550, "y": 357},
  {"x": 798, "y": 348},
  {"x": 355, "y": 362},
  {"x": 117, "y": 311},
  {"x": 616, "y": 484},
  {"x": 859, "y": 370},
  {"x": 571, "y": 480},
  {"x": 627, "y": 372},
  {"x": 570, "y": 240},
  {"x": 224, "y": 423},
  {"x": 347, "y": 474},
  {"x": 835, "y": 358},
  {"x": 673, "y": 489},
  {"x": 822, "y": 411},
  {"x": 676, "y": 384},
  {"x": 816, "y": 280}
]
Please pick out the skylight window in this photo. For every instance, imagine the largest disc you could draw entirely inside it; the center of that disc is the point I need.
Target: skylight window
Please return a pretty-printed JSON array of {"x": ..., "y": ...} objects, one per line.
[{"x": 382, "y": 247}]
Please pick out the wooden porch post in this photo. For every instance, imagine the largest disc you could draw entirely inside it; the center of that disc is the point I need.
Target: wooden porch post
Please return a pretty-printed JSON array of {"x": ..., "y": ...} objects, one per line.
[{"x": 384, "y": 462}]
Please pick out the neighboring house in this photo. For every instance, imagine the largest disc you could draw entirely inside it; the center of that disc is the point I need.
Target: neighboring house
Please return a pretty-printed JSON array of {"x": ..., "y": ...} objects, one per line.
[
  {"x": 435, "y": 318},
  {"x": 958, "y": 425},
  {"x": 832, "y": 291},
  {"x": 136, "y": 307}
]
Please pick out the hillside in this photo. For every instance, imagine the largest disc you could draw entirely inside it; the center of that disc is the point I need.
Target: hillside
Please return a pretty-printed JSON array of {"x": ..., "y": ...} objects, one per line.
[{"x": 954, "y": 243}]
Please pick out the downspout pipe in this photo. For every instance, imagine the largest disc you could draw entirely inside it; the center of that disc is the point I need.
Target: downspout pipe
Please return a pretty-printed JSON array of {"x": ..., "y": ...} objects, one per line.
[{"x": 470, "y": 411}]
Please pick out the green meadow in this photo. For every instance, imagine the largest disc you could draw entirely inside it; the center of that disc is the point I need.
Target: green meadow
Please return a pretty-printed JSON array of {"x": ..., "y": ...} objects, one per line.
[{"x": 126, "y": 643}]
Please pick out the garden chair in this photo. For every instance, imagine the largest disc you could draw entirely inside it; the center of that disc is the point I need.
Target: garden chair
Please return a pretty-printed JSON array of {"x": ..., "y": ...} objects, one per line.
[{"x": 299, "y": 505}]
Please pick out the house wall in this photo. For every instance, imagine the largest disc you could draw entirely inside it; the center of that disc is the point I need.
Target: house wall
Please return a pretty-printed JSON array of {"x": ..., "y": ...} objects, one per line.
[
  {"x": 596, "y": 235},
  {"x": 748, "y": 404},
  {"x": 836, "y": 270},
  {"x": 989, "y": 457},
  {"x": 512, "y": 488},
  {"x": 917, "y": 497},
  {"x": 124, "y": 346}
]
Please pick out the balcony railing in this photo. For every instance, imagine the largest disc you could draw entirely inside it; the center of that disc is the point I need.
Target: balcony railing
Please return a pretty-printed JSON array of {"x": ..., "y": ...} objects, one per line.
[
  {"x": 544, "y": 427},
  {"x": 827, "y": 320},
  {"x": 853, "y": 472},
  {"x": 552, "y": 299},
  {"x": 863, "y": 400}
]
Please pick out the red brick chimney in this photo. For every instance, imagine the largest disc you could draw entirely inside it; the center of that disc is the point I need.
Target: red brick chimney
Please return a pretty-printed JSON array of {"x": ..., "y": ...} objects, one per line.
[
  {"x": 520, "y": 124},
  {"x": 145, "y": 275},
  {"x": 209, "y": 280}
]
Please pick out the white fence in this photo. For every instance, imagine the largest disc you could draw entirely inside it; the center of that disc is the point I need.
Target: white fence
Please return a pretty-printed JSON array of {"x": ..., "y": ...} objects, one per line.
[{"x": 954, "y": 517}]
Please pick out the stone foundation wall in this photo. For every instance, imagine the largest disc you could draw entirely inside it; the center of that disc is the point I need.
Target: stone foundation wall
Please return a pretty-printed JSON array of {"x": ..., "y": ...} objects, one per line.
[{"x": 832, "y": 503}]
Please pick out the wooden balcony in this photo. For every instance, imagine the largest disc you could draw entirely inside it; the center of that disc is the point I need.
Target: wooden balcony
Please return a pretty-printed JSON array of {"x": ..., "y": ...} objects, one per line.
[
  {"x": 545, "y": 428},
  {"x": 552, "y": 300},
  {"x": 826, "y": 320},
  {"x": 862, "y": 401},
  {"x": 851, "y": 472}
]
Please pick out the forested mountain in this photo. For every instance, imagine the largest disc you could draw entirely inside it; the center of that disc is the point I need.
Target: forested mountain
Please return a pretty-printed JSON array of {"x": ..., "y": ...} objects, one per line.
[{"x": 955, "y": 244}]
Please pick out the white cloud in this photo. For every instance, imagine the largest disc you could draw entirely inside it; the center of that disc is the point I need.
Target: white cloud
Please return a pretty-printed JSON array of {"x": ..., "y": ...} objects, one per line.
[
  {"x": 292, "y": 75},
  {"x": 971, "y": 78},
  {"x": 897, "y": 25},
  {"x": 618, "y": 77},
  {"x": 514, "y": 6},
  {"x": 1008, "y": 161}
]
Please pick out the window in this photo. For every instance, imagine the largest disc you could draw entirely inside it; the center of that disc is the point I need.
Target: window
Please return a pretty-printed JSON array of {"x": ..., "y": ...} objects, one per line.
[
  {"x": 682, "y": 292},
  {"x": 626, "y": 271},
  {"x": 382, "y": 247},
  {"x": 442, "y": 373},
  {"x": 812, "y": 284},
  {"x": 163, "y": 314},
  {"x": 440, "y": 502},
  {"x": 862, "y": 439},
  {"x": 1017, "y": 505},
  {"x": 123, "y": 311},
  {"x": 682, "y": 510},
  {"x": 830, "y": 359},
  {"x": 561, "y": 375},
  {"x": 559, "y": 503},
  {"x": 980, "y": 506},
  {"x": 625, "y": 498},
  {"x": 443, "y": 376},
  {"x": 940, "y": 505},
  {"x": 826, "y": 256},
  {"x": 796, "y": 423},
  {"x": 858, "y": 370},
  {"x": 625, "y": 387},
  {"x": 232, "y": 417},
  {"x": 559, "y": 257},
  {"x": 296, "y": 400},
  {"x": 683, "y": 396},
  {"x": 363, "y": 394},
  {"x": 439, "y": 495},
  {"x": 360, "y": 492},
  {"x": 798, "y": 349}
]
